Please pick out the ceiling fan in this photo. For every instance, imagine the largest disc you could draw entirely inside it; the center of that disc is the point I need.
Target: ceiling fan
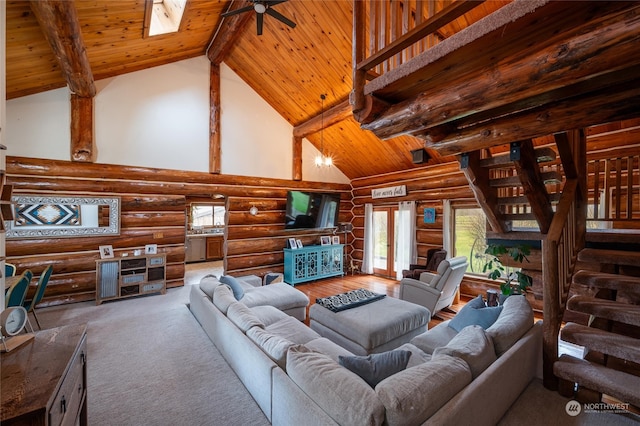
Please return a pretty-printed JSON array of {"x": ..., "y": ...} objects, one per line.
[{"x": 261, "y": 7}]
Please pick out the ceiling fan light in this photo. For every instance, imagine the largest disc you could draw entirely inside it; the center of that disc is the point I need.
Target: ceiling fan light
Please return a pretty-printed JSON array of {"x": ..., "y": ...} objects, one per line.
[
  {"x": 328, "y": 161},
  {"x": 259, "y": 7},
  {"x": 319, "y": 160}
]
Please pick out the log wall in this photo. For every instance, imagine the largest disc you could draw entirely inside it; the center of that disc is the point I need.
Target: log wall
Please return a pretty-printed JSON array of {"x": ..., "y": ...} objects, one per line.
[{"x": 153, "y": 211}]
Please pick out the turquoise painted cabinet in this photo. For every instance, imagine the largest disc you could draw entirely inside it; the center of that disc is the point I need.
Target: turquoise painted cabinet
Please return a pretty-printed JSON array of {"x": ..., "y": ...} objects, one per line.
[{"x": 312, "y": 263}]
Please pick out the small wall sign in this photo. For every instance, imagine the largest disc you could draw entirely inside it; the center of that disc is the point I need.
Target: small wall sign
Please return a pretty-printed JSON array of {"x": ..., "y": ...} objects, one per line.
[
  {"x": 429, "y": 215},
  {"x": 392, "y": 191}
]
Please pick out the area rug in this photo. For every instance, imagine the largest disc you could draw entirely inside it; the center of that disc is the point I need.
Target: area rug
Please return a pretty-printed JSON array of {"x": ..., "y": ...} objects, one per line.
[{"x": 349, "y": 300}]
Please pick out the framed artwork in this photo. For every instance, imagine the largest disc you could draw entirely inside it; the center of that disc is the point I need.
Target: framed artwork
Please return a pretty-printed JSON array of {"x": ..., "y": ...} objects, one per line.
[
  {"x": 325, "y": 241},
  {"x": 336, "y": 239},
  {"x": 106, "y": 252},
  {"x": 429, "y": 215},
  {"x": 151, "y": 249},
  {"x": 299, "y": 243},
  {"x": 292, "y": 243}
]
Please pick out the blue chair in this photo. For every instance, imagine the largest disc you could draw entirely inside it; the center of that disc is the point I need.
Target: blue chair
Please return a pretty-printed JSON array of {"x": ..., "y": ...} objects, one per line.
[
  {"x": 18, "y": 292},
  {"x": 9, "y": 270},
  {"x": 30, "y": 305}
]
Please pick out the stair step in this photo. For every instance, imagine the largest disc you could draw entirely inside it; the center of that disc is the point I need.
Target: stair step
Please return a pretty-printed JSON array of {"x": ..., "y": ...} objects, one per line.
[
  {"x": 607, "y": 309},
  {"x": 513, "y": 181},
  {"x": 612, "y": 257},
  {"x": 620, "y": 346},
  {"x": 624, "y": 283},
  {"x": 618, "y": 384},
  {"x": 522, "y": 199},
  {"x": 543, "y": 155}
]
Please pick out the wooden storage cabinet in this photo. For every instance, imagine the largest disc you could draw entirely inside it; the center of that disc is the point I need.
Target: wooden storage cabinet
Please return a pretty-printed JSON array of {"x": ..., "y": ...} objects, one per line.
[
  {"x": 44, "y": 382},
  {"x": 312, "y": 263},
  {"x": 215, "y": 248},
  {"x": 130, "y": 276}
]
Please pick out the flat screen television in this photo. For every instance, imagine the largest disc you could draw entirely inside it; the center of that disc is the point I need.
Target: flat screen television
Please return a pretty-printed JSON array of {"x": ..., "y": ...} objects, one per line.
[{"x": 312, "y": 209}]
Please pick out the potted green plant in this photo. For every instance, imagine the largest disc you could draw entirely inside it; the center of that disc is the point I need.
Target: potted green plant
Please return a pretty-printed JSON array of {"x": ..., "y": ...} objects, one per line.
[{"x": 514, "y": 280}]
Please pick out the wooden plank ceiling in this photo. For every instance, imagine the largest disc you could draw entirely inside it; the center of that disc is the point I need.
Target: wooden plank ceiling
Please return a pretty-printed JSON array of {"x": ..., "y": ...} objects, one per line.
[{"x": 289, "y": 68}]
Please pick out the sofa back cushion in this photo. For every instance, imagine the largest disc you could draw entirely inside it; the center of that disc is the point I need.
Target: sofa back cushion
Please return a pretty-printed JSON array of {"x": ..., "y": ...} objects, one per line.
[
  {"x": 208, "y": 283},
  {"x": 275, "y": 347},
  {"x": 413, "y": 395},
  {"x": 343, "y": 395},
  {"x": 223, "y": 298},
  {"x": 514, "y": 321},
  {"x": 242, "y": 317},
  {"x": 471, "y": 345}
]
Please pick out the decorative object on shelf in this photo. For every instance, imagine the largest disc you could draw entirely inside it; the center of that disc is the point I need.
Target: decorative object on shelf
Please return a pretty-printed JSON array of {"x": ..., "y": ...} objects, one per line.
[
  {"x": 335, "y": 240},
  {"x": 151, "y": 249},
  {"x": 62, "y": 216},
  {"x": 293, "y": 244},
  {"x": 12, "y": 321},
  {"x": 514, "y": 281},
  {"x": 253, "y": 211},
  {"x": 323, "y": 160},
  {"x": 299, "y": 244},
  {"x": 106, "y": 252},
  {"x": 325, "y": 240},
  {"x": 429, "y": 215}
]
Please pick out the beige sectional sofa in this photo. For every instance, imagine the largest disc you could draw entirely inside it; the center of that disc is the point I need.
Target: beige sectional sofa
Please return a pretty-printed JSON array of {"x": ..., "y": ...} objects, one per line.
[{"x": 471, "y": 377}]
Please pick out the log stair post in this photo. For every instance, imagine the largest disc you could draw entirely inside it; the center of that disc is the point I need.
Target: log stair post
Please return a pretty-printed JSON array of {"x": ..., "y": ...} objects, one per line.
[{"x": 611, "y": 336}]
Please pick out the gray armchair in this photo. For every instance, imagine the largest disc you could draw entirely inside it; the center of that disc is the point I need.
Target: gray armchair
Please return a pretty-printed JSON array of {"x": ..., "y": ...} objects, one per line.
[{"x": 435, "y": 291}]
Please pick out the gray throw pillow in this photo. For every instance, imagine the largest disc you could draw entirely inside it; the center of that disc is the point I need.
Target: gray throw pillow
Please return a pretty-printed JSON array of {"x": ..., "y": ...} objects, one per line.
[
  {"x": 234, "y": 284},
  {"x": 375, "y": 368},
  {"x": 475, "y": 313}
]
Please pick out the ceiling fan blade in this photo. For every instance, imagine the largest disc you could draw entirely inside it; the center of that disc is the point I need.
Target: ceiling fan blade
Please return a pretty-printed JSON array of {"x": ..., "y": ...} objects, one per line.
[
  {"x": 280, "y": 17},
  {"x": 274, "y": 2},
  {"x": 235, "y": 12},
  {"x": 259, "y": 20}
]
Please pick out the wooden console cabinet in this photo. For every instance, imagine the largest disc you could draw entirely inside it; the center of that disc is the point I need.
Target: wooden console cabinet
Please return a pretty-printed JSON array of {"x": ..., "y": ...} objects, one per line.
[
  {"x": 312, "y": 263},
  {"x": 44, "y": 382},
  {"x": 130, "y": 276}
]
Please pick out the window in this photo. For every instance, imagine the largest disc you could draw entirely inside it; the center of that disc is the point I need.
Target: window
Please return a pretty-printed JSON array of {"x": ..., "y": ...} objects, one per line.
[
  {"x": 470, "y": 236},
  {"x": 207, "y": 216},
  {"x": 163, "y": 16}
]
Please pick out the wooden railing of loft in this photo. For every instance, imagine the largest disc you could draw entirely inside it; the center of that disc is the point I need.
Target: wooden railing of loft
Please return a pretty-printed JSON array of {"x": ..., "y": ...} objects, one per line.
[
  {"x": 614, "y": 191},
  {"x": 389, "y": 33}
]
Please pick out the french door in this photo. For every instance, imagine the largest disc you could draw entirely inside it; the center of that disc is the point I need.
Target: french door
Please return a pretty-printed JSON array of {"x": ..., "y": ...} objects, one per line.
[{"x": 385, "y": 221}]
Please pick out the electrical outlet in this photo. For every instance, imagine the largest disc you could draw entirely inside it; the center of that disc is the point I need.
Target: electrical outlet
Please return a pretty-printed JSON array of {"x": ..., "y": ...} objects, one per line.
[{"x": 157, "y": 235}]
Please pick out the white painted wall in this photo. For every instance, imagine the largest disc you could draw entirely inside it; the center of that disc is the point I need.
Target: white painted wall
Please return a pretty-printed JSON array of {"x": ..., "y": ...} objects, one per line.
[{"x": 160, "y": 118}]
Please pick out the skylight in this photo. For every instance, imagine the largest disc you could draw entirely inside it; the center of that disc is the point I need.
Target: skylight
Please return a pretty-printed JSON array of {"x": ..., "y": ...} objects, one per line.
[{"x": 165, "y": 16}]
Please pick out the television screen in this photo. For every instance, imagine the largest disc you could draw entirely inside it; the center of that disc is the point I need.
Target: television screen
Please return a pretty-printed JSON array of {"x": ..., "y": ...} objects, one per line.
[{"x": 312, "y": 209}]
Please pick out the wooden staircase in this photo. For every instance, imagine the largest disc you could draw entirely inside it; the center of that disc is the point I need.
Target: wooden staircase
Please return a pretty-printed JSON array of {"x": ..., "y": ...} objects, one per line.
[{"x": 611, "y": 334}]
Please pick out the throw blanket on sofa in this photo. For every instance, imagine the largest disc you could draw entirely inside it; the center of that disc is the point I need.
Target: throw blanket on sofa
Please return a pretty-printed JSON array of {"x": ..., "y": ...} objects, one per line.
[{"x": 348, "y": 300}]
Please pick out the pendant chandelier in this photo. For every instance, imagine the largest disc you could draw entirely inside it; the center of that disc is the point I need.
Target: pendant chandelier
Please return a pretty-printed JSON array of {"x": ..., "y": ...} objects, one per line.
[{"x": 322, "y": 160}]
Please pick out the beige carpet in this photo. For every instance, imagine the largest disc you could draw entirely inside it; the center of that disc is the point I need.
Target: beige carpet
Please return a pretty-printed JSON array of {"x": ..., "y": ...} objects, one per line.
[{"x": 150, "y": 363}]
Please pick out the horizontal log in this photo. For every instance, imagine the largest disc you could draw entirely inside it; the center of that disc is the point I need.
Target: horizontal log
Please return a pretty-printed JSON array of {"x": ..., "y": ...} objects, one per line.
[
  {"x": 444, "y": 181},
  {"x": 239, "y": 232},
  {"x": 253, "y": 261},
  {"x": 154, "y": 219},
  {"x": 152, "y": 203},
  {"x": 262, "y": 245},
  {"x": 435, "y": 194},
  {"x": 263, "y": 217},
  {"x": 406, "y": 175},
  {"x": 433, "y": 237},
  {"x": 261, "y": 271},
  {"x": 244, "y": 204}
]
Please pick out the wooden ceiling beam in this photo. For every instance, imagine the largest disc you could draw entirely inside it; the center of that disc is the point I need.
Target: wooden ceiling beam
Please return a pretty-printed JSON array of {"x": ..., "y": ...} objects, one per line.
[
  {"x": 59, "y": 23},
  {"x": 332, "y": 116},
  {"x": 607, "y": 105},
  {"x": 227, "y": 33}
]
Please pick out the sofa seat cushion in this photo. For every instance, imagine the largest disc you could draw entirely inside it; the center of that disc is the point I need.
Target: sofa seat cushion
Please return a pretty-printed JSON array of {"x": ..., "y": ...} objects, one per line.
[
  {"x": 243, "y": 318},
  {"x": 281, "y": 295},
  {"x": 438, "y": 336},
  {"x": 275, "y": 347},
  {"x": 374, "y": 368},
  {"x": 413, "y": 395},
  {"x": 471, "y": 345},
  {"x": 514, "y": 321},
  {"x": 291, "y": 329},
  {"x": 327, "y": 347},
  {"x": 344, "y": 396},
  {"x": 223, "y": 298},
  {"x": 268, "y": 314}
]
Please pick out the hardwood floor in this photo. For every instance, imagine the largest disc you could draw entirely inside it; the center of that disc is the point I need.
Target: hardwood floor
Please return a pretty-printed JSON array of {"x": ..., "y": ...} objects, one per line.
[{"x": 330, "y": 286}]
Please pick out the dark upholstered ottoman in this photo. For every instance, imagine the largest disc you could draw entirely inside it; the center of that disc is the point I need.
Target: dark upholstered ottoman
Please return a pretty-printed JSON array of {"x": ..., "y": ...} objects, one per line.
[{"x": 372, "y": 328}]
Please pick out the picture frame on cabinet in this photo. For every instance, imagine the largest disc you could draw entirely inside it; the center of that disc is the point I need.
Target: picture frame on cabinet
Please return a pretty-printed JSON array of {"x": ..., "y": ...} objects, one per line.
[
  {"x": 292, "y": 243},
  {"x": 106, "y": 252},
  {"x": 336, "y": 239},
  {"x": 151, "y": 249},
  {"x": 325, "y": 240},
  {"x": 299, "y": 243}
]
